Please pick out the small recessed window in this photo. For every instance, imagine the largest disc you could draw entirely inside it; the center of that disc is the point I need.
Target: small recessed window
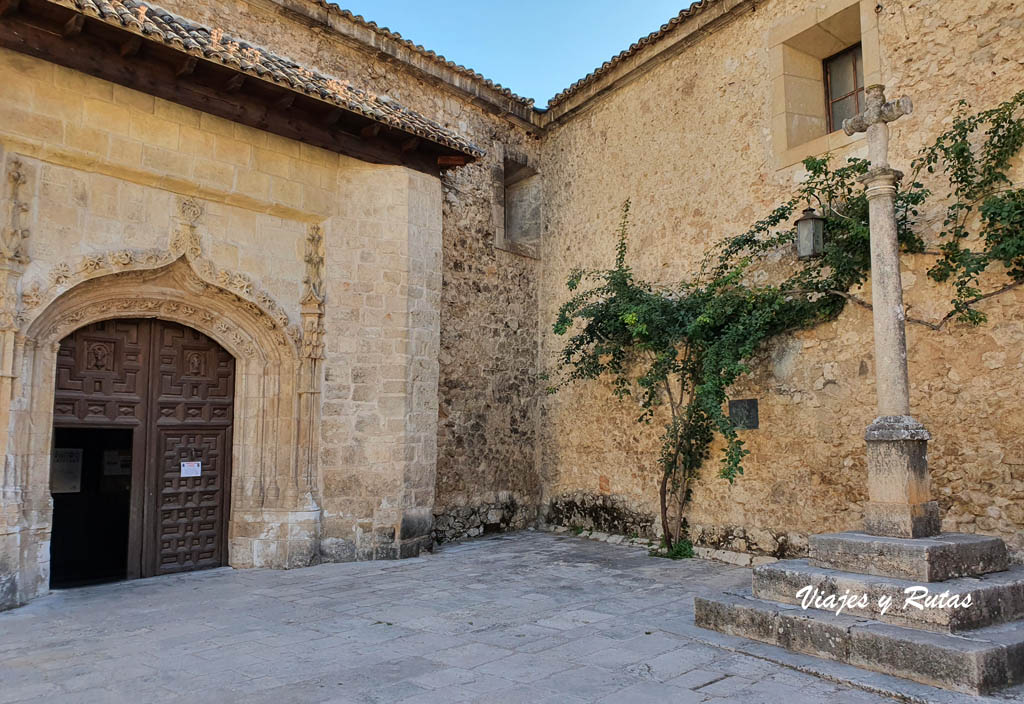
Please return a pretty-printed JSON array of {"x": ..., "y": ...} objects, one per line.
[
  {"x": 743, "y": 414},
  {"x": 844, "y": 86}
]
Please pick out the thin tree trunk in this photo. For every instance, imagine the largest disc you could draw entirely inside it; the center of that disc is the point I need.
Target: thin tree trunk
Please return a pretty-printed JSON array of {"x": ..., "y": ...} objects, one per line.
[
  {"x": 682, "y": 500},
  {"x": 663, "y": 495}
]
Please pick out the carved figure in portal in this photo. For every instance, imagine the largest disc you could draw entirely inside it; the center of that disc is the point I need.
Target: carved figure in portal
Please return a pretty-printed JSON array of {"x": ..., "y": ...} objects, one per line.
[
  {"x": 98, "y": 356},
  {"x": 194, "y": 364}
]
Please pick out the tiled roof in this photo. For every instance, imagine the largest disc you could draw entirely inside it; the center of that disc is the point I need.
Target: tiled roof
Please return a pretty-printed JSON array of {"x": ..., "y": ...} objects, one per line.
[
  {"x": 653, "y": 37},
  {"x": 458, "y": 68},
  {"x": 197, "y": 40}
]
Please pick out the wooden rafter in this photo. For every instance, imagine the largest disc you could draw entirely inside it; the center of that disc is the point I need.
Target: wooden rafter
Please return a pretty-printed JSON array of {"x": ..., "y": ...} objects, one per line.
[
  {"x": 234, "y": 83},
  {"x": 285, "y": 102},
  {"x": 73, "y": 27},
  {"x": 131, "y": 46},
  {"x": 186, "y": 66}
]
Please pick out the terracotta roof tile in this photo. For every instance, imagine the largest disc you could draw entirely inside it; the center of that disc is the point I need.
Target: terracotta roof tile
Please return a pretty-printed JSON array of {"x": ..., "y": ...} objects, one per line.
[
  {"x": 200, "y": 41},
  {"x": 653, "y": 37}
]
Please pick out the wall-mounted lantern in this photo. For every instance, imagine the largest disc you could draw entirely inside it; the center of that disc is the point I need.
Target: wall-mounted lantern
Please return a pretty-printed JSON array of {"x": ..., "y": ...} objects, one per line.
[{"x": 810, "y": 235}]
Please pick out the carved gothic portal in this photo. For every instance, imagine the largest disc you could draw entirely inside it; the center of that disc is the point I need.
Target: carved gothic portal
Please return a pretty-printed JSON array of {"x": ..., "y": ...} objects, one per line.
[
  {"x": 271, "y": 498},
  {"x": 141, "y": 466}
]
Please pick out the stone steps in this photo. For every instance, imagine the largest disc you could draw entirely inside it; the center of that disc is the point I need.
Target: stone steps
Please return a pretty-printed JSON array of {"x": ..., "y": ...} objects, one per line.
[
  {"x": 933, "y": 559},
  {"x": 977, "y": 662},
  {"x": 995, "y": 597}
]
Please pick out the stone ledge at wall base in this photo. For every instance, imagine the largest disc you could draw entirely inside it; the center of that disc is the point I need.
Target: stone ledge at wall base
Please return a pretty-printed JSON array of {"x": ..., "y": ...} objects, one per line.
[
  {"x": 729, "y": 557},
  {"x": 610, "y": 538},
  {"x": 618, "y": 514},
  {"x": 976, "y": 650}
]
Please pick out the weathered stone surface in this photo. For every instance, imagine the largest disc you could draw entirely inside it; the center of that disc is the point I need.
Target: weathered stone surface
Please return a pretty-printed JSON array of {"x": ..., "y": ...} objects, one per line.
[
  {"x": 899, "y": 485},
  {"x": 995, "y": 598},
  {"x": 971, "y": 665},
  {"x": 933, "y": 559},
  {"x": 511, "y": 618},
  {"x": 737, "y": 616},
  {"x": 796, "y": 631},
  {"x": 500, "y": 516},
  {"x": 430, "y": 383},
  {"x": 989, "y": 659},
  {"x": 601, "y": 512},
  {"x": 816, "y": 388}
]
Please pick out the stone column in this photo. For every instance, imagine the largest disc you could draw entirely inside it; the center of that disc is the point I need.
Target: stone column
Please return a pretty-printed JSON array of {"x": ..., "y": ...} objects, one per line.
[{"x": 899, "y": 486}]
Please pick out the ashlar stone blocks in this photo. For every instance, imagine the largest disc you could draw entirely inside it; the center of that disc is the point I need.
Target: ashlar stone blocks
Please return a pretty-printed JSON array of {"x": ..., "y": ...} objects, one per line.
[
  {"x": 985, "y": 660},
  {"x": 933, "y": 559},
  {"x": 899, "y": 485},
  {"x": 854, "y": 601},
  {"x": 994, "y": 598}
]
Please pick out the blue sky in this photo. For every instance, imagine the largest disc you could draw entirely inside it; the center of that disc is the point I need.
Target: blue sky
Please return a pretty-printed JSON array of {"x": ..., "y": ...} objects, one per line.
[{"x": 534, "y": 47}]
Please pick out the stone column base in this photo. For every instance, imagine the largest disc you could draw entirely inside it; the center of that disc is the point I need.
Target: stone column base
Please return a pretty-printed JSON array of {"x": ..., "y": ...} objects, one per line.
[
  {"x": 275, "y": 538},
  {"x": 902, "y": 520},
  {"x": 899, "y": 486}
]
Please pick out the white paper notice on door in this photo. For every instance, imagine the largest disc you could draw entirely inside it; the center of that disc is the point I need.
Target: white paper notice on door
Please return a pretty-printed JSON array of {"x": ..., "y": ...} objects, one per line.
[
  {"x": 191, "y": 469},
  {"x": 66, "y": 471}
]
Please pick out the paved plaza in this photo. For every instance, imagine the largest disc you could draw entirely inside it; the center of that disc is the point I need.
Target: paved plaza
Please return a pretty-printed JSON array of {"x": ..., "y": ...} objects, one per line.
[{"x": 526, "y": 617}]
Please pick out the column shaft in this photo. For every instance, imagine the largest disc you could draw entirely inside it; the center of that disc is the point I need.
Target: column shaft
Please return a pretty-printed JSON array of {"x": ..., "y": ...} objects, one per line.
[{"x": 893, "y": 387}]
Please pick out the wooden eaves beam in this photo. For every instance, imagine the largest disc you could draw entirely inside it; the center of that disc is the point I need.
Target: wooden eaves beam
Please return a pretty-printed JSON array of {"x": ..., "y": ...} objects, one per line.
[{"x": 116, "y": 54}]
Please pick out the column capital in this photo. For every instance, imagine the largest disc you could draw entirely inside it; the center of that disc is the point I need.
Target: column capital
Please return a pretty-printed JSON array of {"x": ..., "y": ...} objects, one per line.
[
  {"x": 881, "y": 175},
  {"x": 881, "y": 182}
]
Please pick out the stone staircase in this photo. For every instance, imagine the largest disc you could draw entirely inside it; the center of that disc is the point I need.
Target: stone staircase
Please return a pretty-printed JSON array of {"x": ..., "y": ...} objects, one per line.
[{"x": 976, "y": 648}]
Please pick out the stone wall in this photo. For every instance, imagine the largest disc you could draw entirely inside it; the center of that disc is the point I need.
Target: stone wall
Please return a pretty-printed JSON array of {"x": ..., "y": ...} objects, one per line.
[
  {"x": 381, "y": 327},
  {"x": 429, "y": 396},
  {"x": 424, "y": 419},
  {"x": 488, "y": 392},
  {"x": 137, "y": 207},
  {"x": 690, "y": 141}
]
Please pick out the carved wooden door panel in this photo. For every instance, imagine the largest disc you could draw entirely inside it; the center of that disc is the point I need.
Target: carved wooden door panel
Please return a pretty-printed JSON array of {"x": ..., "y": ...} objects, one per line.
[
  {"x": 174, "y": 387},
  {"x": 192, "y": 390},
  {"x": 102, "y": 374}
]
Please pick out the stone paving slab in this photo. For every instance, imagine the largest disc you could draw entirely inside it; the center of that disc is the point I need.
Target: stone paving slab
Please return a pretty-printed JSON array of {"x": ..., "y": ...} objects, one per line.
[{"x": 526, "y": 617}]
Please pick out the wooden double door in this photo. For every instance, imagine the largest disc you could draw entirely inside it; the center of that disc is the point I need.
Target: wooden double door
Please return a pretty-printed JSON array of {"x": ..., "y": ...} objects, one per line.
[{"x": 172, "y": 388}]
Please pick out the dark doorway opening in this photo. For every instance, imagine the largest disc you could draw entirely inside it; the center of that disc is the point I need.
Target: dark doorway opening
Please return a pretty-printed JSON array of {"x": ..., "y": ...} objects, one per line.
[
  {"x": 141, "y": 463},
  {"x": 91, "y": 482}
]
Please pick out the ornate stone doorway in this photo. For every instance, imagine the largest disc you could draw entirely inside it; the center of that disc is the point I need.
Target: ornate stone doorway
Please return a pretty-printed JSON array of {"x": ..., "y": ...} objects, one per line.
[{"x": 140, "y": 472}]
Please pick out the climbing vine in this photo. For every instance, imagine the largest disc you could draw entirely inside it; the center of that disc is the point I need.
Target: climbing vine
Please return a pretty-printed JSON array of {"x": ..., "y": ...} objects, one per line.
[
  {"x": 684, "y": 346},
  {"x": 976, "y": 154}
]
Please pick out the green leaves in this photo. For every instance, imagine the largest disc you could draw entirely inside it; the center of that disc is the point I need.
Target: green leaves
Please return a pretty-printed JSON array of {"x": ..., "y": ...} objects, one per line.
[
  {"x": 976, "y": 154},
  {"x": 684, "y": 347}
]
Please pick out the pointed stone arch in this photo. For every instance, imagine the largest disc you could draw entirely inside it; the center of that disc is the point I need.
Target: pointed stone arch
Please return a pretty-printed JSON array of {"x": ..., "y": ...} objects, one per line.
[{"x": 274, "y": 512}]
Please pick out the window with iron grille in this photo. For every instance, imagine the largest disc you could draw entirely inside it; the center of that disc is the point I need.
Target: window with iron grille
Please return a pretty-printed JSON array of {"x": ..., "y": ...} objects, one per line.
[{"x": 844, "y": 86}]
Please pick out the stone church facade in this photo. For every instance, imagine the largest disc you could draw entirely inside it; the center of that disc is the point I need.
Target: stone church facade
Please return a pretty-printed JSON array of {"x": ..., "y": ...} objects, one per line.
[{"x": 278, "y": 284}]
